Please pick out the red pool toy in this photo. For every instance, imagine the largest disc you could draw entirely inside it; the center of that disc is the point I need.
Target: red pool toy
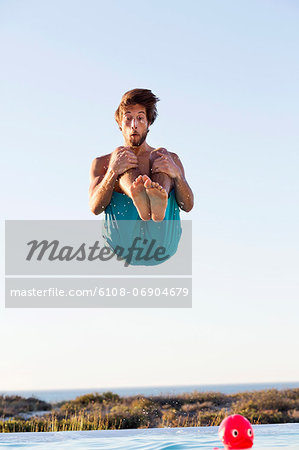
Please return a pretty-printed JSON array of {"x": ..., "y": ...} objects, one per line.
[{"x": 236, "y": 432}]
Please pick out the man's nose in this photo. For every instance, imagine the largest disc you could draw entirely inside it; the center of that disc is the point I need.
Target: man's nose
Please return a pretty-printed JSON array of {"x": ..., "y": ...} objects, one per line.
[{"x": 134, "y": 123}]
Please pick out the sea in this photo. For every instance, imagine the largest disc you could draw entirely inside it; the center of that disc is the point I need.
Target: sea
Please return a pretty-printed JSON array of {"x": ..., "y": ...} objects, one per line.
[{"x": 58, "y": 395}]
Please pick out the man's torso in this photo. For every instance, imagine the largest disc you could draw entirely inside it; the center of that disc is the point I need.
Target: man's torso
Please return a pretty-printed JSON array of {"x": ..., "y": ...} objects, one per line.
[{"x": 143, "y": 165}]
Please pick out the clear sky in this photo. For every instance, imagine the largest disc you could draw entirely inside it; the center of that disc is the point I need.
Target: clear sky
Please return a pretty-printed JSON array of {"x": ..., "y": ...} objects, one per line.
[{"x": 227, "y": 76}]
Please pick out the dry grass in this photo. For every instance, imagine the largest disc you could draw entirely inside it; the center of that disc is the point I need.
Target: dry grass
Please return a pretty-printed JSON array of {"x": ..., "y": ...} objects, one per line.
[{"x": 109, "y": 411}]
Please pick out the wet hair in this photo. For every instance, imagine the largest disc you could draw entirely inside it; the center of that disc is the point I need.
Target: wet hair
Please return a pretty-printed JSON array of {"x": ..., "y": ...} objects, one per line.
[{"x": 143, "y": 97}]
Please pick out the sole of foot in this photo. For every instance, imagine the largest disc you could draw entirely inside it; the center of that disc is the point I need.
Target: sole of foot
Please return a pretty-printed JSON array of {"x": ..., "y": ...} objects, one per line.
[
  {"x": 158, "y": 198},
  {"x": 140, "y": 198}
]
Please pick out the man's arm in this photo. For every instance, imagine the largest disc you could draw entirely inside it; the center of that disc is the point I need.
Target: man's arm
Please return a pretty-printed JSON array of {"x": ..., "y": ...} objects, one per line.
[
  {"x": 170, "y": 164},
  {"x": 102, "y": 182},
  {"x": 183, "y": 192},
  {"x": 103, "y": 175}
]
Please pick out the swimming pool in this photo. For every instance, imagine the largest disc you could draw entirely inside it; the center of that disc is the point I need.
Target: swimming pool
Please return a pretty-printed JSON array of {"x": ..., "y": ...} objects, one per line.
[{"x": 284, "y": 436}]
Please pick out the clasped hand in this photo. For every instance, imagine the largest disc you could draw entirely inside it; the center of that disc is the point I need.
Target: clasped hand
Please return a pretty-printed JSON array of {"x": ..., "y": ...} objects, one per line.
[
  {"x": 122, "y": 159},
  {"x": 166, "y": 164}
]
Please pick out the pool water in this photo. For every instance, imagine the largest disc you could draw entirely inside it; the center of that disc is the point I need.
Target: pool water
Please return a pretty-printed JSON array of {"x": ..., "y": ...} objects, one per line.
[{"x": 284, "y": 436}]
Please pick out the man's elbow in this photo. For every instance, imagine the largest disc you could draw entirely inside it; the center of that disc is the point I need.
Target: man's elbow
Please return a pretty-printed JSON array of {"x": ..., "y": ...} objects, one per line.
[
  {"x": 188, "y": 205},
  {"x": 96, "y": 210},
  {"x": 187, "y": 208}
]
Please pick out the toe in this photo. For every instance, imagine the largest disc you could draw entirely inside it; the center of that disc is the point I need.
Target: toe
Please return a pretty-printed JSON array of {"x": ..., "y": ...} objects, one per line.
[{"x": 148, "y": 183}]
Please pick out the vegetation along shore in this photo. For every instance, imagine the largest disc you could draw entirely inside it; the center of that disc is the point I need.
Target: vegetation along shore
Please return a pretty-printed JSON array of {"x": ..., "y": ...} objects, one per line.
[{"x": 109, "y": 411}]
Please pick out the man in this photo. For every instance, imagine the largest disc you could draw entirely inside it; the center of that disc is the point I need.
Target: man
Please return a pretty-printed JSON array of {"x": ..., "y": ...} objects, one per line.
[{"x": 148, "y": 176}]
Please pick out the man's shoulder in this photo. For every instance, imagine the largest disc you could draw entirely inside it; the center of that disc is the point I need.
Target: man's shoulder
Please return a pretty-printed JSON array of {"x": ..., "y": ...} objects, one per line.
[
  {"x": 100, "y": 164},
  {"x": 101, "y": 159},
  {"x": 172, "y": 154},
  {"x": 163, "y": 149}
]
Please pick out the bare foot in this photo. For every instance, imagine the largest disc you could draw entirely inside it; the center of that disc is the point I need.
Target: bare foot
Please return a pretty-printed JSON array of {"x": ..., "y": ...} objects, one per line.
[
  {"x": 158, "y": 198},
  {"x": 140, "y": 198}
]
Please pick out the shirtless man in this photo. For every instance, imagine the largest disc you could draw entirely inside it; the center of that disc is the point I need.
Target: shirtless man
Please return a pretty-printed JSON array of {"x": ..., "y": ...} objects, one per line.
[{"x": 143, "y": 173}]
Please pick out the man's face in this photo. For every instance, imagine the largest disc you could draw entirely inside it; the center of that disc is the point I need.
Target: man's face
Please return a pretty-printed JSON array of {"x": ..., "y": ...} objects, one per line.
[{"x": 134, "y": 125}]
